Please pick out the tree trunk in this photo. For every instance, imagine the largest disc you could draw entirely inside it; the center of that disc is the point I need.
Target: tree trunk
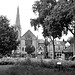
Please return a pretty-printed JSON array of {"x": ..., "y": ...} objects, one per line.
[
  {"x": 46, "y": 52},
  {"x": 53, "y": 49},
  {"x": 74, "y": 46},
  {"x": 74, "y": 43}
]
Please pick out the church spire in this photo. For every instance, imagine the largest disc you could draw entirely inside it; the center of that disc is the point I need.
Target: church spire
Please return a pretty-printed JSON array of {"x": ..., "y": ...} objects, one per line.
[
  {"x": 17, "y": 24},
  {"x": 18, "y": 18}
]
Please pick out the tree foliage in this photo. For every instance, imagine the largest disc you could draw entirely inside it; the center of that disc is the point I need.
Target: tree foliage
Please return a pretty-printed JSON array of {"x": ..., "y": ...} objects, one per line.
[
  {"x": 30, "y": 49},
  {"x": 43, "y": 8},
  {"x": 8, "y": 37},
  {"x": 71, "y": 40},
  {"x": 54, "y": 16}
]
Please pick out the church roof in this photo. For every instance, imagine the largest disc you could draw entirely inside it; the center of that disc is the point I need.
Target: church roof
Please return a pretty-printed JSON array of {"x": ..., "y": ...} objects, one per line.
[{"x": 28, "y": 33}]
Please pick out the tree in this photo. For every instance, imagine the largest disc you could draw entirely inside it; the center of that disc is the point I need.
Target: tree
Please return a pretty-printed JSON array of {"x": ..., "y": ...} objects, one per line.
[
  {"x": 71, "y": 40},
  {"x": 8, "y": 37},
  {"x": 43, "y": 8},
  {"x": 62, "y": 18},
  {"x": 55, "y": 17},
  {"x": 30, "y": 49}
]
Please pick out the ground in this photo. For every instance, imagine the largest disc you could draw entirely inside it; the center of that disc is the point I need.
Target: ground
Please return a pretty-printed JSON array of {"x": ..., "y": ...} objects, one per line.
[{"x": 5, "y": 67}]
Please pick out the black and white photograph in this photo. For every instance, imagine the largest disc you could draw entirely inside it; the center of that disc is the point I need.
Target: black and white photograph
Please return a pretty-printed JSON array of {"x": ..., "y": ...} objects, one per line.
[{"x": 37, "y": 37}]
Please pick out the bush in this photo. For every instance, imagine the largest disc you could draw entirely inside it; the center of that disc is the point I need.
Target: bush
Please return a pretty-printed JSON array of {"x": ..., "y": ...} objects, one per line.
[
  {"x": 30, "y": 49},
  {"x": 49, "y": 64},
  {"x": 28, "y": 62},
  {"x": 40, "y": 63},
  {"x": 52, "y": 64}
]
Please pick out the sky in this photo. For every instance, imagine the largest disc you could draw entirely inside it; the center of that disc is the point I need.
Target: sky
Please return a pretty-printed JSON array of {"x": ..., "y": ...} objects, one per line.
[{"x": 8, "y": 8}]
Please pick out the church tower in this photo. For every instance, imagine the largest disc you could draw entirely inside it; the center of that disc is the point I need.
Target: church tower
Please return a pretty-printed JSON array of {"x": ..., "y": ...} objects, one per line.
[
  {"x": 18, "y": 29},
  {"x": 17, "y": 24}
]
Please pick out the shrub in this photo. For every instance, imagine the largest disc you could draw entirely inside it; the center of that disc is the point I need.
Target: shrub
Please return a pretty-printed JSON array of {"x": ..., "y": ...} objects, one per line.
[
  {"x": 49, "y": 64},
  {"x": 30, "y": 49},
  {"x": 26, "y": 62},
  {"x": 52, "y": 64}
]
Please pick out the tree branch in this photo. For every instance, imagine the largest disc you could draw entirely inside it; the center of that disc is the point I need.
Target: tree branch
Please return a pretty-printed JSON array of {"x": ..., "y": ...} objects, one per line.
[{"x": 71, "y": 31}]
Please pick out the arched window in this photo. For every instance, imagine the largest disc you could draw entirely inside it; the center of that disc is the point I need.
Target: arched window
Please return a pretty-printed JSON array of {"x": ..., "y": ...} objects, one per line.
[
  {"x": 22, "y": 48},
  {"x": 40, "y": 48},
  {"x": 28, "y": 40}
]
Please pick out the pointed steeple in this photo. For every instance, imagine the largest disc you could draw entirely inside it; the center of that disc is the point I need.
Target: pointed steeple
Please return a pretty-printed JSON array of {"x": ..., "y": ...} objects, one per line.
[
  {"x": 18, "y": 18},
  {"x": 17, "y": 24}
]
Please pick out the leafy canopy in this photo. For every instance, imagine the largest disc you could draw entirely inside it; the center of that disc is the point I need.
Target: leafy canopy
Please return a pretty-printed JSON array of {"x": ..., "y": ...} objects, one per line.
[
  {"x": 8, "y": 37},
  {"x": 55, "y": 17},
  {"x": 30, "y": 49}
]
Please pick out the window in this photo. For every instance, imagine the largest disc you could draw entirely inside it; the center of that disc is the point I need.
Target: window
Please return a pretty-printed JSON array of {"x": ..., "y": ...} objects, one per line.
[
  {"x": 40, "y": 48},
  {"x": 59, "y": 48},
  {"x": 58, "y": 55},
  {"x": 22, "y": 48},
  {"x": 28, "y": 40},
  {"x": 56, "y": 47},
  {"x": 51, "y": 54}
]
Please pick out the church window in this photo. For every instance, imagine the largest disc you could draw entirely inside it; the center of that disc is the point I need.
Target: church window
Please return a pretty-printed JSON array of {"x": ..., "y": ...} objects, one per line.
[
  {"x": 28, "y": 40},
  {"x": 40, "y": 48}
]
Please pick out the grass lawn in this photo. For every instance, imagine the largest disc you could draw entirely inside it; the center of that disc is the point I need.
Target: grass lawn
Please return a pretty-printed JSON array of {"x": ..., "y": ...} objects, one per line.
[
  {"x": 5, "y": 67},
  {"x": 31, "y": 70}
]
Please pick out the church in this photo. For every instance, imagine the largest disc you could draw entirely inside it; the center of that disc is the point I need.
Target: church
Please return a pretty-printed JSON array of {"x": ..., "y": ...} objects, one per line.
[{"x": 27, "y": 38}]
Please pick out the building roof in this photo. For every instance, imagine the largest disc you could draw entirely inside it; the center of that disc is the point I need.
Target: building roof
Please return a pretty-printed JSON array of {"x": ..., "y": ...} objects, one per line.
[
  {"x": 28, "y": 33},
  {"x": 40, "y": 41},
  {"x": 69, "y": 49},
  {"x": 58, "y": 43}
]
